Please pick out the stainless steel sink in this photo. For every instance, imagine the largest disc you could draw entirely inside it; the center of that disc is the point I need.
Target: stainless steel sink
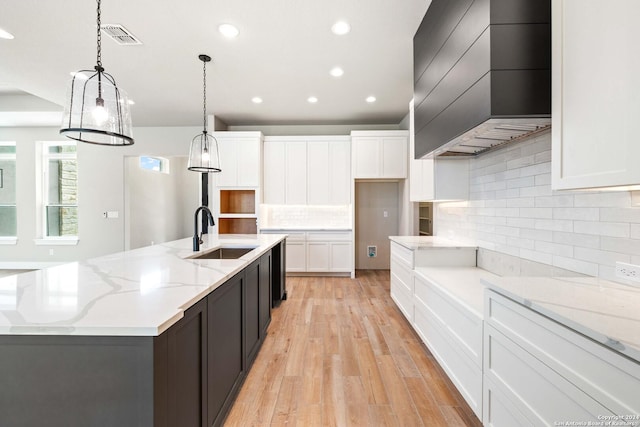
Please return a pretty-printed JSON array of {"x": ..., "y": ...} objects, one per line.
[{"x": 224, "y": 253}]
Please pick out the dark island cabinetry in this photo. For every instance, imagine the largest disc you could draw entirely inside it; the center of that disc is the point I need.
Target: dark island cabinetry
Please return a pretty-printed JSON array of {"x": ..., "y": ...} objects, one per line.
[
  {"x": 211, "y": 349},
  {"x": 188, "y": 376}
]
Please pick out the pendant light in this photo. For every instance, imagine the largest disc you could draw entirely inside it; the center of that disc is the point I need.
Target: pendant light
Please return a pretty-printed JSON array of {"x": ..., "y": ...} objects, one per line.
[
  {"x": 203, "y": 154},
  {"x": 97, "y": 111}
]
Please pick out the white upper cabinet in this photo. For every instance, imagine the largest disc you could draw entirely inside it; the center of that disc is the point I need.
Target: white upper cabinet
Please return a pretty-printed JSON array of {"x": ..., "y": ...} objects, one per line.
[
  {"x": 239, "y": 159},
  {"x": 307, "y": 170},
  {"x": 379, "y": 154},
  {"x": 595, "y": 88},
  {"x": 296, "y": 172},
  {"x": 274, "y": 172}
]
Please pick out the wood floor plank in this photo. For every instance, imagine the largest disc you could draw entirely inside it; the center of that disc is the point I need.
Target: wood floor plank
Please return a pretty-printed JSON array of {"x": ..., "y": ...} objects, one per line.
[{"x": 339, "y": 353}]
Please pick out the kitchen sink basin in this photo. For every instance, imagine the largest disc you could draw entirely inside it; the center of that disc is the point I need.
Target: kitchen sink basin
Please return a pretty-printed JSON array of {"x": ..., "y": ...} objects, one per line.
[{"x": 224, "y": 253}]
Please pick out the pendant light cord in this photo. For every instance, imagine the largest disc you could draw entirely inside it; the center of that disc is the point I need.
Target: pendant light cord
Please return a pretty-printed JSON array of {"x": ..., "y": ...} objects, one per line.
[
  {"x": 99, "y": 37},
  {"x": 204, "y": 94}
]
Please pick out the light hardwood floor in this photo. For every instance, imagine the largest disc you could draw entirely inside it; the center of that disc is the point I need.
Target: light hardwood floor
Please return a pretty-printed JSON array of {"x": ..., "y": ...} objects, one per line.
[{"x": 340, "y": 353}]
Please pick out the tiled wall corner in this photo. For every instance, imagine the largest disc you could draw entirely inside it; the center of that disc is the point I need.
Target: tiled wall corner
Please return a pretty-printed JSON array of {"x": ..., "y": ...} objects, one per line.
[{"x": 513, "y": 211}]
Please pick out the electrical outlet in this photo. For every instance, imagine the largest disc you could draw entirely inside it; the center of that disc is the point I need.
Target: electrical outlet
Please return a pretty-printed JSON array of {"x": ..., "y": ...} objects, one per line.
[{"x": 628, "y": 271}]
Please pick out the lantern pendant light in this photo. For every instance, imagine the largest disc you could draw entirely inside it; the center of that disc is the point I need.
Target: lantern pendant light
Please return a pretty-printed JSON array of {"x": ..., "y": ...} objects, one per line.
[
  {"x": 97, "y": 111},
  {"x": 203, "y": 154}
]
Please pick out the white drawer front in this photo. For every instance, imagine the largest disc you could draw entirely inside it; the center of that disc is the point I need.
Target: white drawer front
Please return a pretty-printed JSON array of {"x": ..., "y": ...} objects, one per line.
[
  {"x": 609, "y": 377},
  {"x": 329, "y": 237},
  {"x": 463, "y": 372},
  {"x": 542, "y": 395},
  {"x": 462, "y": 326},
  {"x": 499, "y": 411},
  {"x": 296, "y": 236},
  {"x": 402, "y": 274},
  {"x": 402, "y": 297},
  {"x": 402, "y": 253}
]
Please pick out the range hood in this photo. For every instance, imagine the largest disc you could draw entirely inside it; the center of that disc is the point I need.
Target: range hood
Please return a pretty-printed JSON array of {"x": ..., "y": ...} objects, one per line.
[{"x": 482, "y": 75}]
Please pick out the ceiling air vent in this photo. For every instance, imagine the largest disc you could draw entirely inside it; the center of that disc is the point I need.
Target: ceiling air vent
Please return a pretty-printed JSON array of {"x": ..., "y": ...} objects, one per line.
[{"x": 120, "y": 34}]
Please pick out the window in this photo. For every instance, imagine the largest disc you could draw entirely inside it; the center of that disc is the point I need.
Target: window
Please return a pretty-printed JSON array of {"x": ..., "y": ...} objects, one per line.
[
  {"x": 155, "y": 164},
  {"x": 59, "y": 190},
  {"x": 8, "y": 215}
]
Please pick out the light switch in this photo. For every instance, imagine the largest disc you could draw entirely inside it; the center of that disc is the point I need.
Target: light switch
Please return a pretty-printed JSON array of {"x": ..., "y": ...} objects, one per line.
[
  {"x": 113, "y": 214},
  {"x": 385, "y": 214}
]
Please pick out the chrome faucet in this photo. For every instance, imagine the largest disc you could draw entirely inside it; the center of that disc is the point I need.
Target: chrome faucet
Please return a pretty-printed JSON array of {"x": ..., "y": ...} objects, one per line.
[{"x": 197, "y": 239}]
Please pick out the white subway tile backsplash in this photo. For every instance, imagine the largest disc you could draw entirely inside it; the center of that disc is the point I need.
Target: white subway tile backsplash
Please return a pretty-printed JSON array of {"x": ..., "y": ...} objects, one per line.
[
  {"x": 520, "y": 162},
  {"x": 530, "y": 233},
  {"x": 612, "y": 229},
  {"x": 536, "y": 169},
  {"x": 620, "y": 215},
  {"x": 601, "y": 257},
  {"x": 554, "y": 248},
  {"x": 584, "y": 214},
  {"x": 554, "y": 225},
  {"x": 616, "y": 244},
  {"x": 603, "y": 199},
  {"x": 536, "y": 256},
  {"x": 544, "y": 179},
  {"x": 542, "y": 213},
  {"x": 521, "y": 202},
  {"x": 555, "y": 201},
  {"x": 513, "y": 211},
  {"x": 508, "y": 194},
  {"x": 526, "y": 181},
  {"x": 573, "y": 264},
  {"x": 575, "y": 239},
  {"x": 536, "y": 191}
]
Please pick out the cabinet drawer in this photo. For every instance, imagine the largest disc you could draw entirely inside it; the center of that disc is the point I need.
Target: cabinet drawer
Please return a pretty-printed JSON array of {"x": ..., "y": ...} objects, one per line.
[
  {"x": 464, "y": 372},
  {"x": 402, "y": 254},
  {"x": 328, "y": 237},
  {"x": 464, "y": 328},
  {"x": 295, "y": 236},
  {"x": 499, "y": 411},
  {"x": 402, "y": 274},
  {"x": 402, "y": 298},
  {"x": 608, "y": 377},
  {"x": 543, "y": 396}
]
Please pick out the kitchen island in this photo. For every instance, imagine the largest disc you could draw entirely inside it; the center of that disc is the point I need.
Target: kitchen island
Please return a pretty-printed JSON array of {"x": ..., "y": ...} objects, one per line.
[{"x": 148, "y": 337}]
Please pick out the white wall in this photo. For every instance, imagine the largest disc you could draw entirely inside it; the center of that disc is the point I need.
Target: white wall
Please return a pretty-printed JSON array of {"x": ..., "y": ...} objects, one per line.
[
  {"x": 159, "y": 206},
  {"x": 512, "y": 210},
  {"x": 101, "y": 188}
]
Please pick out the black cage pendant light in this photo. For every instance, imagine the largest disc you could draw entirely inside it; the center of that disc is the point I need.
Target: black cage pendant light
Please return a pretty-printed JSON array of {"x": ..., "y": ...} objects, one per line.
[
  {"x": 203, "y": 154},
  {"x": 97, "y": 111}
]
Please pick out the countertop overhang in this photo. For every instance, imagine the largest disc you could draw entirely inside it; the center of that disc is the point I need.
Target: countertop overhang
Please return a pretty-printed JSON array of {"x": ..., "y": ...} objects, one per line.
[
  {"x": 141, "y": 292},
  {"x": 604, "y": 311}
]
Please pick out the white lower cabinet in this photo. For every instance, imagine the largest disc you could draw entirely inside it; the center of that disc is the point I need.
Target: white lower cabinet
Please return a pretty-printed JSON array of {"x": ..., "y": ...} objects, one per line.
[
  {"x": 296, "y": 256},
  {"x": 318, "y": 251},
  {"x": 454, "y": 335},
  {"x": 317, "y": 256},
  {"x": 539, "y": 372}
]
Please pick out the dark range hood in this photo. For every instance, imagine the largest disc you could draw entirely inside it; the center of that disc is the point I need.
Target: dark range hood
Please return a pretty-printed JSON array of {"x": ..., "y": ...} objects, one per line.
[{"x": 482, "y": 75}]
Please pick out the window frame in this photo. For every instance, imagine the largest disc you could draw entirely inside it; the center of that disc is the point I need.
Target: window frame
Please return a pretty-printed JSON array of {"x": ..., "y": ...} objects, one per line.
[
  {"x": 10, "y": 240},
  {"x": 44, "y": 156}
]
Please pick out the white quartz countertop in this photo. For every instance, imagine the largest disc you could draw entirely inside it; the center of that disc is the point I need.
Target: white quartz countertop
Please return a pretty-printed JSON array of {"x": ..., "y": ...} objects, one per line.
[
  {"x": 604, "y": 311},
  {"x": 282, "y": 229},
  {"x": 428, "y": 242},
  {"x": 461, "y": 283},
  {"x": 141, "y": 292}
]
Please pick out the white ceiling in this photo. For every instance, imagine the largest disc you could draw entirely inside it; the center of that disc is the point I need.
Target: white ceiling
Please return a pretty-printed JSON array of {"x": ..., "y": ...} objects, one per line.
[{"x": 283, "y": 54}]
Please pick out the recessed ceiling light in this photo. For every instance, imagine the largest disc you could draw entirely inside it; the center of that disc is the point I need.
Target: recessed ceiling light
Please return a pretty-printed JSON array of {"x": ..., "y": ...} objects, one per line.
[
  {"x": 228, "y": 30},
  {"x": 256, "y": 100},
  {"x": 5, "y": 34},
  {"x": 312, "y": 99},
  {"x": 336, "y": 72},
  {"x": 341, "y": 28},
  {"x": 371, "y": 99}
]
